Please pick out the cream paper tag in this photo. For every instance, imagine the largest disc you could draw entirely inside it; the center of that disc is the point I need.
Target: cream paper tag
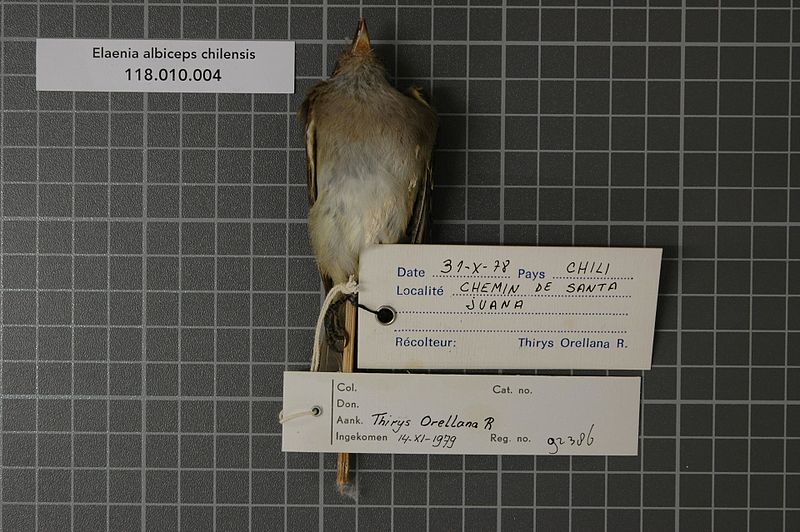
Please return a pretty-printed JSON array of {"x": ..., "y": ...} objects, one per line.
[
  {"x": 485, "y": 307},
  {"x": 460, "y": 414},
  {"x": 138, "y": 65}
]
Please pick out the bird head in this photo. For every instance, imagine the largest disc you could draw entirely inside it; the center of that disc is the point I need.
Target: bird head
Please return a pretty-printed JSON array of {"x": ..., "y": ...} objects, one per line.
[{"x": 359, "y": 54}]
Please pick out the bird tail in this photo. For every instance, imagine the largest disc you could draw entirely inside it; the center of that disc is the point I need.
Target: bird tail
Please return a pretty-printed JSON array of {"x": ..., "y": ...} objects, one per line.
[
  {"x": 334, "y": 337},
  {"x": 331, "y": 335}
]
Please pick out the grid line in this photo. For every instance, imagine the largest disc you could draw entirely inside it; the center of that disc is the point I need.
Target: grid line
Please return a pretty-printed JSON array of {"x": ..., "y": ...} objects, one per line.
[{"x": 125, "y": 217}]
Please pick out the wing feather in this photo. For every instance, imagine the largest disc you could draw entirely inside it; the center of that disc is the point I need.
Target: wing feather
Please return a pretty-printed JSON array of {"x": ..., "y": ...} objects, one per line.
[
  {"x": 419, "y": 224},
  {"x": 307, "y": 114}
]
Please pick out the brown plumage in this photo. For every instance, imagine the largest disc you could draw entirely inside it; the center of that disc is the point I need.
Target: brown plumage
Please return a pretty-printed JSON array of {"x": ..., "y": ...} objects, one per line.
[{"x": 368, "y": 150}]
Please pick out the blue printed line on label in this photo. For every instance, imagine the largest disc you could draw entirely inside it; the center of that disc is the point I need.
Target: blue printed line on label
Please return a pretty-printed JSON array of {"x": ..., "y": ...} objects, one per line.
[
  {"x": 481, "y": 294},
  {"x": 448, "y": 276},
  {"x": 579, "y": 278},
  {"x": 514, "y": 313},
  {"x": 505, "y": 331}
]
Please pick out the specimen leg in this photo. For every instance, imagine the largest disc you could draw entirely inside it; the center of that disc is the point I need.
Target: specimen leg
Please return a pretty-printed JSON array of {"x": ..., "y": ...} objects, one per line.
[{"x": 348, "y": 365}]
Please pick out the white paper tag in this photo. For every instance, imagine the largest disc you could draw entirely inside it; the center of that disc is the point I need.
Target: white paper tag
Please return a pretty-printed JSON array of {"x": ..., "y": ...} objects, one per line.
[
  {"x": 508, "y": 307},
  {"x": 164, "y": 66},
  {"x": 460, "y": 414}
]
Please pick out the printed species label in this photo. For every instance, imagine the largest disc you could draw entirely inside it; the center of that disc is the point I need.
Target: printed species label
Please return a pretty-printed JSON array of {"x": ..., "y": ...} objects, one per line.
[
  {"x": 507, "y": 307},
  {"x": 164, "y": 66},
  {"x": 460, "y": 414}
]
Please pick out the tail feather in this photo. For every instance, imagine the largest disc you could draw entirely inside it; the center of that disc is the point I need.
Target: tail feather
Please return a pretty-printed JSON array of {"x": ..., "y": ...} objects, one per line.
[{"x": 334, "y": 337}]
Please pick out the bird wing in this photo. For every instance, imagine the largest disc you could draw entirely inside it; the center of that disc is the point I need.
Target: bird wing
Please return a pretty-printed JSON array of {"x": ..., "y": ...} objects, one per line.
[
  {"x": 418, "y": 225},
  {"x": 330, "y": 359},
  {"x": 307, "y": 114}
]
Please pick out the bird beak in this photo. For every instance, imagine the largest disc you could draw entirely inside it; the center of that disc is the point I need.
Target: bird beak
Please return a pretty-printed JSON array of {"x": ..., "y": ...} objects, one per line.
[{"x": 361, "y": 40}]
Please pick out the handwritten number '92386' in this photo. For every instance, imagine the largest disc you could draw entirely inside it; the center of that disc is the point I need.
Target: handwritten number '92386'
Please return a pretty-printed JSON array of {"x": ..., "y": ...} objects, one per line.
[{"x": 584, "y": 438}]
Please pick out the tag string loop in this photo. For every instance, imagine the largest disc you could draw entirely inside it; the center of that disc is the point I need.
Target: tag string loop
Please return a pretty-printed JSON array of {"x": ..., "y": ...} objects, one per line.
[
  {"x": 313, "y": 411},
  {"x": 350, "y": 287}
]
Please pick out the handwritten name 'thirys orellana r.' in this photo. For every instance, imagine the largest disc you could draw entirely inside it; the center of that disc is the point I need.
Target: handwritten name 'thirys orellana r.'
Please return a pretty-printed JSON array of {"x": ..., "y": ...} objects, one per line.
[
  {"x": 396, "y": 424},
  {"x": 499, "y": 286}
]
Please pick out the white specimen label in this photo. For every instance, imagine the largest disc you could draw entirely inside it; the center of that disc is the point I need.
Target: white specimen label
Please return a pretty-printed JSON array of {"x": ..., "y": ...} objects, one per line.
[
  {"x": 508, "y": 307},
  {"x": 460, "y": 414},
  {"x": 164, "y": 66}
]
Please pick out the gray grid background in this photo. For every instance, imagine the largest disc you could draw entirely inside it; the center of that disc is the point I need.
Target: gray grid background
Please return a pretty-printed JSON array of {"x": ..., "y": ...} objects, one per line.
[{"x": 157, "y": 279}]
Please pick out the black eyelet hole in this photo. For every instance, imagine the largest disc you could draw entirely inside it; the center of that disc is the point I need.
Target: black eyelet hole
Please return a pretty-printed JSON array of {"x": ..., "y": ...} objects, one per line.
[{"x": 386, "y": 315}]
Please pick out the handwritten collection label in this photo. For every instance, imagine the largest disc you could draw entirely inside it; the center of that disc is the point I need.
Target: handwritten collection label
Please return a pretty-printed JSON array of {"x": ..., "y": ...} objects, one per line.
[
  {"x": 508, "y": 307},
  {"x": 460, "y": 414}
]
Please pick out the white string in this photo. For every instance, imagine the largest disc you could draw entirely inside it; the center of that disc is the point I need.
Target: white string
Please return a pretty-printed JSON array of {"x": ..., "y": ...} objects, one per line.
[
  {"x": 350, "y": 287},
  {"x": 314, "y": 411}
]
